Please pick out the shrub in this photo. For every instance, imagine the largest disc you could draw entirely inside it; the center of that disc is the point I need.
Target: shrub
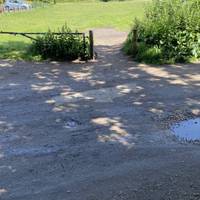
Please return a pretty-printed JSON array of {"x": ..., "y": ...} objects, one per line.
[
  {"x": 61, "y": 47},
  {"x": 170, "y": 32}
]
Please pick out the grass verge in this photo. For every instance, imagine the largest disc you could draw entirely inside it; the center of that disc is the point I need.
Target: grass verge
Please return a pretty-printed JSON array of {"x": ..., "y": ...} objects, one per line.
[{"x": 78, "y": 16}]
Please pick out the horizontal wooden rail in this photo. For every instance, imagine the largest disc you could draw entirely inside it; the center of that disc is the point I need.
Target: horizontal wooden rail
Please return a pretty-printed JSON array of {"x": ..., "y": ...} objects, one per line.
[
  {"x": 27, "y": 34},
  {"x": 38, "y": 33}
]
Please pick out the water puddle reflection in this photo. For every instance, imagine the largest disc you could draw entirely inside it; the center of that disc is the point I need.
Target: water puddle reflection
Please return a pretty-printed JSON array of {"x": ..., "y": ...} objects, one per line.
[{"x": 188, "y": 130}]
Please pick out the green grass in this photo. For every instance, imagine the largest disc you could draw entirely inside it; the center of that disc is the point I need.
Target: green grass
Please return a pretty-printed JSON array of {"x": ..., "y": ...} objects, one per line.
[{"x": 77, "y": 15}]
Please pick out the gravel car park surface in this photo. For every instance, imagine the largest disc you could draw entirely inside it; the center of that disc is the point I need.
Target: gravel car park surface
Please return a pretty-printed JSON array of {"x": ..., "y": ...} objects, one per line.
[{"x": 97, "y": 130}]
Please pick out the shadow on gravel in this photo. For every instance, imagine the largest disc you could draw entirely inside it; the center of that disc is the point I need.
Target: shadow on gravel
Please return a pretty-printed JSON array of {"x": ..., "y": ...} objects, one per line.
[{"x": 85, "y": 114}]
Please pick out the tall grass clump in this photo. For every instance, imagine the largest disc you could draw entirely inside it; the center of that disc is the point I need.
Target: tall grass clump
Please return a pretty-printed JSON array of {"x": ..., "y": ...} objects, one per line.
[{"x": 169, "y": 32}]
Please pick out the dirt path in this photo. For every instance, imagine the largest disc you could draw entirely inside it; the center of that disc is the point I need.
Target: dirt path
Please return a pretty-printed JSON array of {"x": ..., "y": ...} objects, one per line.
[{"x": 97, "y": 131}]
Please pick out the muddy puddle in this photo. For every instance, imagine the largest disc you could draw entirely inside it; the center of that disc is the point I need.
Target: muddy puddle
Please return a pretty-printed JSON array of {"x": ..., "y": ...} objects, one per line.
[
  {"x": 71, "y": 124},
  {"x": 188, "y": 130}
]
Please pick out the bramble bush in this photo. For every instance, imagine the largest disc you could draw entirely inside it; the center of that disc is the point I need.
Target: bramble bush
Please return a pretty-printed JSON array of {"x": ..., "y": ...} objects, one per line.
[
  {"x": 169, "y": 32},
  {"x": 63, "y": 47}
]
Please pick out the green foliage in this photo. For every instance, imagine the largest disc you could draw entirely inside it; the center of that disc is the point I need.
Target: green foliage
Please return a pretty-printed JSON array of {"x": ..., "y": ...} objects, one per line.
[
  {"x": 80, "y": 14},
  {"x": 149, "y": 54},
  {"x": 170, "y": 27},
  {"x": 60, "y": 47}
]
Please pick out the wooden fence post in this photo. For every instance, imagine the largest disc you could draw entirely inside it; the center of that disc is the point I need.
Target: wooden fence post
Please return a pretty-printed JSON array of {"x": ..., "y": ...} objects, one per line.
[
  {"x": 135, "y": 38},
  {"x": 91, "y": 40}
]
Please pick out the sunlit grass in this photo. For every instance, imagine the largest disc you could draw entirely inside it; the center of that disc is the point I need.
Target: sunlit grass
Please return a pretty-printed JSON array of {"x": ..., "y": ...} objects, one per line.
[{"x": 78, "y": 16}]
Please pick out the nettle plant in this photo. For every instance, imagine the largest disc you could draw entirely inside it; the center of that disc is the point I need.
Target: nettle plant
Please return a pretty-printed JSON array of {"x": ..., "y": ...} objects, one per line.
[
  {"x": 170, "y": 32},
  {"x": 61, "y": 47}
]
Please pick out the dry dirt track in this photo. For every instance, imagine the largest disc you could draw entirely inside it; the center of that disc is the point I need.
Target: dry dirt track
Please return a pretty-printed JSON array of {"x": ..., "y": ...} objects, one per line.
[{"x": 97, "y": 131}]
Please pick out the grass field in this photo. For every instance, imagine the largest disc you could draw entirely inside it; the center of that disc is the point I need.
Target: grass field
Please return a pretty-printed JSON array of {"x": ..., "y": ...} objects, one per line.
[{"x": 77, "y": 15}]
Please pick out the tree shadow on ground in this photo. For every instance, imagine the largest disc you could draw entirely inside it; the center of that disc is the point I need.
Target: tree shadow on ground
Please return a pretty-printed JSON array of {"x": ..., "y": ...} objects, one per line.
[{"x": 74, "y": 118}]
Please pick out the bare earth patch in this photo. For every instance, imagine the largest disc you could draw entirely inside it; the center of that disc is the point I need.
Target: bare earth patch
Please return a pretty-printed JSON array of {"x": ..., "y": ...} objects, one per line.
[{"x": 97, "y": 130}]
